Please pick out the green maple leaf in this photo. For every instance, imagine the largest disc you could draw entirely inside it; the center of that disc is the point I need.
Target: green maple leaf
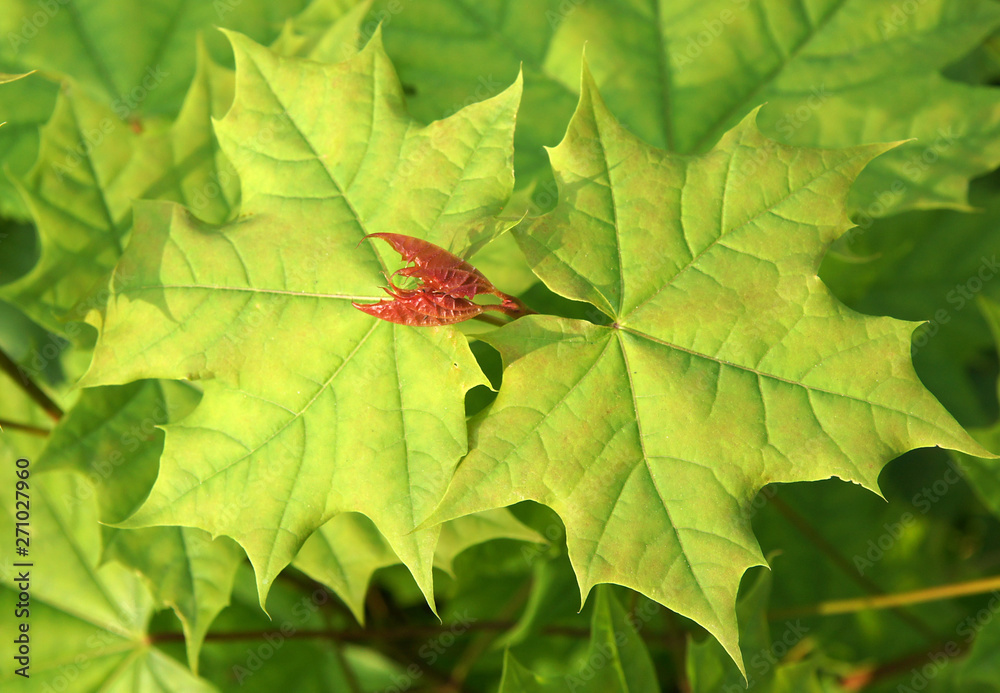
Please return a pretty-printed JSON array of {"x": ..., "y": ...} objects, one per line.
[
  {"x": 708, "y": 64},
  {"x": 133, "y": 58},
  {"x": 185, "y": 159},
  {"x": 453, "y": 52},
  {"x": 130, "y": 55},
  {"x": 616, "y": 660},
  {"x": 101, "y": 613},
  {"x": 110, "y": 437},
  {"x": 346, "y": 551},
  {"x": 311, "y": 407},
  {"x": 729, "y": 365},
  {"x": 91, "y": 166},
  {"x": 185, "y": 569},
  {"x": 680, "y": 74},
  {"x": 984, "y": 475},
  {"x": 906, "y": 267},
  {"x": 326, "y": 31},
  {"x": 709, "y": 669},
  {"x": 24, "y": 107},
  {"x": 80, "y": 198}
]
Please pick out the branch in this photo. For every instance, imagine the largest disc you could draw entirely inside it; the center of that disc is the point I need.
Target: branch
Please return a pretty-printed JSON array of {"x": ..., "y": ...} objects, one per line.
[
  {"x": 27, "y": 428},
  {"x": 33, "y": 391},
  {"x": 891, "y": 601}
]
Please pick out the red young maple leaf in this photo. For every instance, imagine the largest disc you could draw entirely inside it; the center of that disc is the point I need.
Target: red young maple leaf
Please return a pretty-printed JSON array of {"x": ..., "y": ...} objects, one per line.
[{"x": 448, "y": 285}]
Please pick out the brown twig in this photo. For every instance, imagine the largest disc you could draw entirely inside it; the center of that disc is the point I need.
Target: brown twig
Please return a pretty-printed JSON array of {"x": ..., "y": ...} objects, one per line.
[
  {"x": 33, "y": 430},
  {"x": 16, "y": 374}
]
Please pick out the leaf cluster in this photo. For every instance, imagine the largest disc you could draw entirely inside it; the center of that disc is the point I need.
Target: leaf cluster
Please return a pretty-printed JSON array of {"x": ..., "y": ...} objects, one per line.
[{"x": 637, "y": 299}]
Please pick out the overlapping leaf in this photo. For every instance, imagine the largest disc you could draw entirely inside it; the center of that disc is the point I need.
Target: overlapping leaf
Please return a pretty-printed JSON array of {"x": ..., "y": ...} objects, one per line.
[
  {"x": 135, "y": 57},
  {"x": 453, "y": 52},
  {"x": 984, "y": 475},
  {"x": 81, "y": 202},
  {"x": 100, "y": 613},
  {"x": 616, "y": 661},
  {"x": 728, "y": 366},
  {"x": 823, "y": 68},
  {"x": 929, "y": 266},
  {"x": 709, "y": 669},
  {"x": 25, "y": 105},
  {"x": 184, "y": 569},
  {"x": 346, "y": 551},
  {"x": 680, "y": 74},
  {"x": 110, "y": 436},
  {"x": 311, "y": 408},
  {"x": 327, "y": 31},
  {"x": 297, "y": 662},
  {"x": 91, "y": 166}
]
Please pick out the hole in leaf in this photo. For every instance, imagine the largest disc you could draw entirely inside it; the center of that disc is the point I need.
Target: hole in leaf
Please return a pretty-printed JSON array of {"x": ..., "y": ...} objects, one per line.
[
  {"x": 543, "y": 300},
  {"x": 479, "y": 397}
]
